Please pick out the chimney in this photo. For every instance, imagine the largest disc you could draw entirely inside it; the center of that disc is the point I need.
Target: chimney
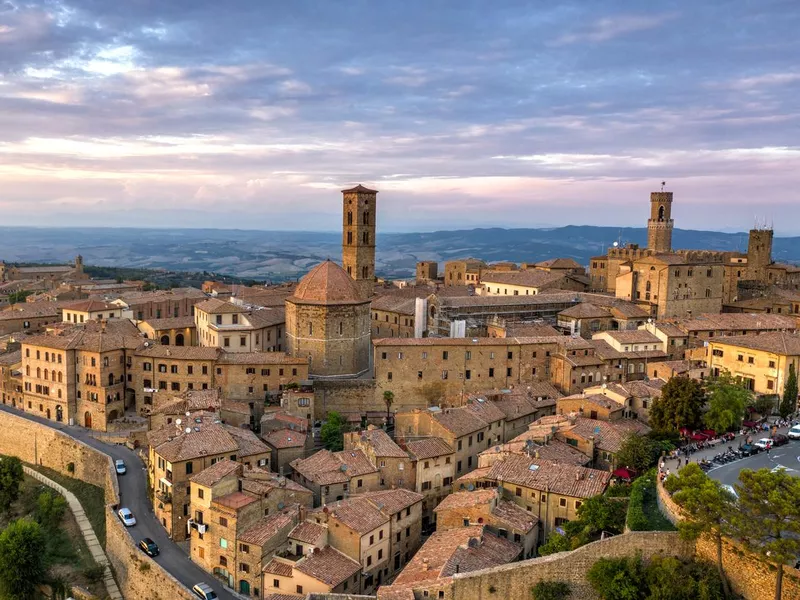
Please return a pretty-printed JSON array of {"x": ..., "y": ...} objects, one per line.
[{"x": 302, "y": 514}]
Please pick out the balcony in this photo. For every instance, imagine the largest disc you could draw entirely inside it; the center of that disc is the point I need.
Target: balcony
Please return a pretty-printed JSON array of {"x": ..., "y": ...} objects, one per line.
[{"x": 163, "y": 497}]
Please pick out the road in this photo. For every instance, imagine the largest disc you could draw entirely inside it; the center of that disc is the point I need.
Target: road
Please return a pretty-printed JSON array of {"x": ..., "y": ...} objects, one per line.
[
  {"x": 787, "y": 456},
  {"x": 133, "y": 495}
]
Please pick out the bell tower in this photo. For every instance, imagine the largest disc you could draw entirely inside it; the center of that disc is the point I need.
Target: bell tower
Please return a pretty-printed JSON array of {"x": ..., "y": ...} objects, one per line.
[
  {"x": 660, "y": 223},
  {"x": 359, "y": 208}
]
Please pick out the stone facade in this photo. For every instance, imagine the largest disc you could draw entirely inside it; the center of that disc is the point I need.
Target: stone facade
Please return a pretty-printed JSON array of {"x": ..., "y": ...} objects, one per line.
[
  {"x": 660, "y": 224},
  {"x": 359, "y": 213},
  {"x": 427, "y": 271}
]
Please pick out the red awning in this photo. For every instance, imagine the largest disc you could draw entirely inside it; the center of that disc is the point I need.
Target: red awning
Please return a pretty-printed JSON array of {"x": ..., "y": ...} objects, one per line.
[
  {"x": 624, "y": 473},
  {"x": 749, "y": 423},
  {"x": 698, "y": 437}
]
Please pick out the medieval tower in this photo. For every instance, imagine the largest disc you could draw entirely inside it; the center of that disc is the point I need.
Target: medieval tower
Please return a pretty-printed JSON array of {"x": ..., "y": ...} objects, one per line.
[
  {"x": 759, "y": 253},
  {"x": 359, "y": 208},
  {"x": 659, "y": 226}
]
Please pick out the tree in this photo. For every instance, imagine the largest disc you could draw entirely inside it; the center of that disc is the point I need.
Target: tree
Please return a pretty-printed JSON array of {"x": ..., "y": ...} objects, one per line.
[
  {"x": 550, "y": 590},
  {"x": 789, "y": 402},
  {"x": 637, "y": 452},
  {"x": 23, "y": 559},
  {"x": 595, "y": 515},
  {"x": 50, "y": 509},
  {"x": 388, "y": 399},
  {"x": 10, "y": 480},
  {"x": 764, "y": 404},
  {"x": 332, "y": 432},
  {"x": 768, "y": 519},
  {"x": 727, "y": 402},
  {"x": 618, "y": 578},
  {"x": 706, "y": 506},
  {"x": 680, "y": 405}
]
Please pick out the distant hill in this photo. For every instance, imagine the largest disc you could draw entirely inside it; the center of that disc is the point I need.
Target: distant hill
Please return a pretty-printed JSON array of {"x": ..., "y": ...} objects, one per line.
[{"x": 281, "y": 255}]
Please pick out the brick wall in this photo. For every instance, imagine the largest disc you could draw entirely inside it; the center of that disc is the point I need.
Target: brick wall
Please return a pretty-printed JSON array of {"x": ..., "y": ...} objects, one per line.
[{"x": 516, "y": 579}]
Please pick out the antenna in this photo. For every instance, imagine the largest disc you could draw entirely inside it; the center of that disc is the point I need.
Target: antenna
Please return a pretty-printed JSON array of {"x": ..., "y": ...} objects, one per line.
[{"x": 663, "y": 183}]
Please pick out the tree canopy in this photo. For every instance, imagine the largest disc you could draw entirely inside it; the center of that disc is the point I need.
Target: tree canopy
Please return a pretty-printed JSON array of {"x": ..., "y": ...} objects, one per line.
[
  {"x": 727, "y": 403},
  {"x": 768, "y": 519},
  {"x": 789, "y": 401},
  {"x": 10, "y": 480},
  {"x": 680, "y": 405},
  {"x": 638, "y": 452},
  {"x": 332, "y": 432},
  {"x": 595, "y": 515},
  {"x": 23, "y": 559}
]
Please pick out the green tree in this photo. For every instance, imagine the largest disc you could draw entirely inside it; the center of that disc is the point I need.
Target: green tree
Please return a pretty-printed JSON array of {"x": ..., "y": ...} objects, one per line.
[
  {"x": 668, "y": 578},
  {"x": 618, "y": 578},
  {"x": 595, "y": 515},
  {"x": 49, "y": 510},
  {"x": 707, "y": 508},
  {"x": 768, "y": 519},
  {"x": 388, "y": 400},
  {"x": 332, "y": 432},
  {"x": 550, "y": 590},
  {"x": 680, "y": 405},
  {"x": 637, "y": 452},
  {"x": 789, "y": 402},
  {"x": 764, "y": 404},
  {"x": 727, "y": 402},
  {"x": 10, "y": 480},
  {"x": 23, "y": 559}
]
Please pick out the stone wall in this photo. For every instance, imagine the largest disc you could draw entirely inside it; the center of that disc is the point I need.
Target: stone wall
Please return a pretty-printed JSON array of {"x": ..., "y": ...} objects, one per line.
[
  {"x": 516, "y": 579},
  {"x": 39, "y": 444},
  {"x": 346, "y": 396}
]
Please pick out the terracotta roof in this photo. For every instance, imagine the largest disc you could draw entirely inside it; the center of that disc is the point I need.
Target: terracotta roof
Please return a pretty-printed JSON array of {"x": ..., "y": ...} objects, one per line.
[
  {"x": 474, "y": 475},
  {"x": 235, "y": 500},
  {"x": 329, "y": 566},
  {"x": 90, "y": 306},
  {"x": 531, "y": 444},
  {"x": 171, "y": 323},
  {"x": 217, "y": 307},
  {"x": 80, "y": 338},
  {"x": 394, "y": 303},
  {"x": 485, "y": 409},
  {"x": 11, "y": 358},
  {"x": 326, "y": 467},
  {"x": 326, "y": 284},
  {"x": 175, "y": 445},
  {"x": 285, "y": 438},
  {"x": 777, "y": 342},
  {"x": 595, "y": 399},
  {"x": 154, "y": 350},
  {"x": 265, "y": 529},
  {"x": 538, "y": 474},
  {"x": 261, "y": 481},
  {"x": 459, "y": 500},
  {"x": 559, "y": 263},
  {"x": 514, "y": 516},
  {"x": 215, "y": 473},
  {"x": 382, "y": 444},
  {"x": 533, "y": 278},
  {"x": 187, "y": 401},
  {"x": 459, "y": 421},
  {"x": 308, "y": 532},
  {"x": 259, "y": 358},
  {"x": 391, "y": 502},
  {"x": 266, "y": 317},
  {"x": 670, "y": 329},
  {"x": 448, "y": 552},
  {"x": 608, "y": 435},
  {"x": 275, "y": 567},
  {"x": 357, "y": 513},
  {"x": 359, "y": 189},
  {"x": 738, "y": 321},
  {"x": 515, "y": 406},
  {"x": 31, "y": 310},
  {"x": 530, "y": 330},
  {"x": 630, "y": 336},
  {"x": 428, "y": 448},
  {"x": 466, "y": 342},
  {"x": 586, "y": 310}
]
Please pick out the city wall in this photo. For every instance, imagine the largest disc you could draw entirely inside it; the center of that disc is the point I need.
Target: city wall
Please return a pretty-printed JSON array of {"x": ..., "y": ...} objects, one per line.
[
  {"x": 346, "y": 396},
  {"x": 41, "y": 445}
]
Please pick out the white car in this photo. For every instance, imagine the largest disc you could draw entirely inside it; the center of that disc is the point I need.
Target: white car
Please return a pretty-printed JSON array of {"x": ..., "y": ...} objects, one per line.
[
  {"x": 126, "y": 516},
  {"x": 204, "y": 591},
  {"x": 794, "y": 433},
  {"x": 763, "y": 443},
  {"x": 120, "y": 467}
]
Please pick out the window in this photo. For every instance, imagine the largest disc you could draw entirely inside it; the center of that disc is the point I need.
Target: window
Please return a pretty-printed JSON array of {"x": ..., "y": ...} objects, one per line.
[
  {"x": 244, "y": 548},
  {"x": 299, "y": 589},
  {"x": 562, "y": 502},
  {"x": 369, "y": 561},
  {"x": 223, "y": 543},
  {"x": 445, "y": 354},
  {"x": 276, "y": 583},
  {"x": 491, "y": 371},
  {"x": 751, "y": 360},
  {"x": 444, "y": 374},
  {"x": 223, "y": 522},
  {"x": 508, "y": 372},
  {"x": 244, "y": 568},
  {"x": 201, "y": 493},
  {"x": 380, "y": 553}
]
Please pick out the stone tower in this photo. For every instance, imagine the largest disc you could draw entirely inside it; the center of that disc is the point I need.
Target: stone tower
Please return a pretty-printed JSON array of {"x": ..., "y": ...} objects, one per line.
[
  {"x": 659, "y": 226},
  {"x": 79, "y": 264},
  {"x": 328, "y": 322},
  {"x": 759, "y": 254},
  {"x": 358, "y": 237}
]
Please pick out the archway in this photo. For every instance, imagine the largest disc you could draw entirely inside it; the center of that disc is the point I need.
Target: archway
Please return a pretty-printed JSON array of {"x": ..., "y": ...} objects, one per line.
[
  {"x": 59, "y": 414},
  {"x": 113, "y": 415},
  {"x": 165, "y": 340},
  {"x": 179, "y": 339},
  {"x": 661, "y": 213},
  {"x": 87, "y": 420},
  {"x": 244, "y": 588},
  {"x": 110, "y": 379}
]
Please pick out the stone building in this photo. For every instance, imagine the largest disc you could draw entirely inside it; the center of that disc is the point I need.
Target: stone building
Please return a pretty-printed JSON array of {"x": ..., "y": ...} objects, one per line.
[
  {"x": 433, "y": 461},
  {"x": 487, "y": 507},
  {"x": 530, "y": 283},
  {"x": 322, "y": 572},
  {"x": 463, "y": 272},
  {"x": 89, "y": 310},
  {"x": 393, "y": 463},
  {"x": 599, "y": 440},
  {"x": 171, "y": 331},
  {"x": 176, "y": 452},
  {"x": 161, "y": 304},
  {"x": 359, "y": 213},
  {"x": 51, "y": 275},
  {"x": 29, "y": 318},
  {"x": 11, "y": 384},
  {"x": 235, "y": 328},
  {"x": 328, "y": 322},
  {"x": 333, "y": 475},
  {"x": 427, "y": 271},
  {"x": 393, "y": 316},
  {"x": 660, "y": 224},
  {"x": 286, "y": 446}
]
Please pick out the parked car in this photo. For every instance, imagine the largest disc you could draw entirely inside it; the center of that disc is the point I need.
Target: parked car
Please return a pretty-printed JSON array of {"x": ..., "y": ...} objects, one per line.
[
  {"x": 763, "y": 443},
  {"x": 119, "y": 465},
  {"x": 750, "y": 449},
  {"x": 779, "y": 439},
  {"x": 126, "y": 516},
  {"x": 794, "y": 433},
  {"x": 149, "y": 547},
  {"x": 204, "y": 591}
]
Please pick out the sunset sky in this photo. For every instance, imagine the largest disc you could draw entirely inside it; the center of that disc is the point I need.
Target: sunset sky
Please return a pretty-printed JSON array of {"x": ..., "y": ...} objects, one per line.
[{"x": 255, "y": 113}]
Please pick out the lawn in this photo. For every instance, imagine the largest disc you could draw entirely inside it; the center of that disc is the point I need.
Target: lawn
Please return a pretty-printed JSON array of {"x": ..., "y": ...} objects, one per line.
[{"x": 91, "y": 497}]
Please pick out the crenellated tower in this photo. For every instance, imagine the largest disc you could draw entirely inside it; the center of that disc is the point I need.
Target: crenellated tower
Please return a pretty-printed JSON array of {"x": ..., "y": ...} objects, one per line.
[{"x": 659, "y": 226}]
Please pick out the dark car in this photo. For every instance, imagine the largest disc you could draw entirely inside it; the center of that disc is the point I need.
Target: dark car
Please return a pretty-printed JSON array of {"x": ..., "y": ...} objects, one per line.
[
  {"x": 779, "y": 439},
  {"x": 149, "y": 547},
  {"x": 750, "y": 449}
]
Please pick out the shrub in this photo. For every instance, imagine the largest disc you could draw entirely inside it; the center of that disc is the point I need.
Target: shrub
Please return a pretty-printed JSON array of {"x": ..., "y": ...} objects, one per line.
[
  {"x": 617, "y": 578},
  {"x": 94, "y": 573},
  {"x": 550, "y": 590}
]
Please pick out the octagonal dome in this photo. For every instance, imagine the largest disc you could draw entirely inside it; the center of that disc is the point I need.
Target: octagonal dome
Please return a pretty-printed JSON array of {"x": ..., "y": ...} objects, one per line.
[{"x": 327, "y": 283}]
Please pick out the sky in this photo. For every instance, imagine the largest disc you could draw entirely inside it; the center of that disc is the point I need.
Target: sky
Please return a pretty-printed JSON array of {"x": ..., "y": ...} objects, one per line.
[{"x": 462, "y": 113}]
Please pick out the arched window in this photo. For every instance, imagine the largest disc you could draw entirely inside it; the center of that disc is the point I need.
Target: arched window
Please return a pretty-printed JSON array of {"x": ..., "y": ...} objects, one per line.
[
  {"x": 110, "y": 379},
  {"x": 53, "y": 375},
  {"x": 365, "y": 273},
  {"x": 165, "y": 340},
  {"x": 349, "y": 217},
  {"x": 59, "y": 377},
  {"x": 46, "y": 375},
  {"x": 365, "y": 237},
  {"x": 28, "y": 371},
  {"x": 310, "y": 329},
  {"x": 38, "y": 373},
  {"x": 341, "y": 328},
  {"x": 179, "y": 340},
  {"x": 661, "y": 213},
  {"x": 708, "y": 293},
  {"x": 366, "y": 217},
  {"x": 647, "y": 286}
]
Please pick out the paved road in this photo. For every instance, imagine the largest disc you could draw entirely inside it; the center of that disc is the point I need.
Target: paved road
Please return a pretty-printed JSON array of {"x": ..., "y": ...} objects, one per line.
[
  {"x": 787, "y": 456},
  {"x": 133, "y": 495}
]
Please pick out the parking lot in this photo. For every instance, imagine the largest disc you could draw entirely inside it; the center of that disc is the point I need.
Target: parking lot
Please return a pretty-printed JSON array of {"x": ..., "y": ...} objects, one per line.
[{"x": 787, "y": 456}]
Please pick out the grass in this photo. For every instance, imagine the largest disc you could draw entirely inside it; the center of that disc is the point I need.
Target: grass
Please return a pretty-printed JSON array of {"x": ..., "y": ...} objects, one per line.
[
  {"x": 91, "y": 497},
  {"x": 643, "y": 511}
]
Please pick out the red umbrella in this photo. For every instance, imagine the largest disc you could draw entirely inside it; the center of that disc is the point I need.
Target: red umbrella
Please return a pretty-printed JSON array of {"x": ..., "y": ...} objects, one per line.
[{"x": 623, "y": 473}]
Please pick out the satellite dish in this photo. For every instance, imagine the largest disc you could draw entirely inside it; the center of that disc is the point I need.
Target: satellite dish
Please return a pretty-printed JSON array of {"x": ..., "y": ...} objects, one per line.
[
  {"x": 470, "y": 487},
  {"x": 178, "y": 421},
  {"x": 188, "y": 430}
]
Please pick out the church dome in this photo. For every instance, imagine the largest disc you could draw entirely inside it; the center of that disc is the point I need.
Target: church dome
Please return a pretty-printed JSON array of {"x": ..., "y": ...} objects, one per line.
[{"x": 327, "y": 283}]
